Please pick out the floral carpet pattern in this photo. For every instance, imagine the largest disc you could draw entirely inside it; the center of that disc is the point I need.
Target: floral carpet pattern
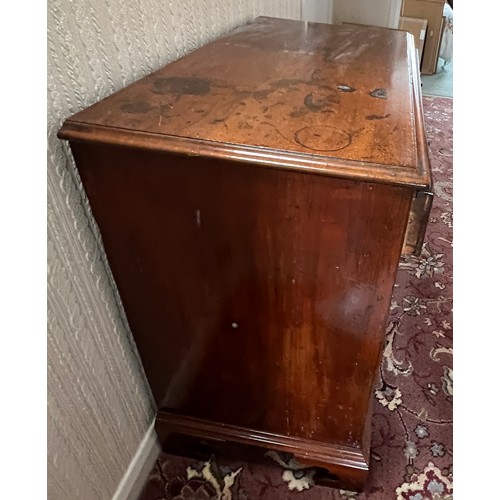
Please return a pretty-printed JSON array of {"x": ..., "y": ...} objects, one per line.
[{"x": 411, "y": 449}]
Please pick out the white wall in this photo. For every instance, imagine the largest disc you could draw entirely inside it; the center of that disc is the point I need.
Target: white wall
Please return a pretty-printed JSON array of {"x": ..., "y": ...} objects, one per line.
[
  {"x": 320, "y": 11},
  {"x": 383, "y": 13},
  {"x": 99, "y": 404}
]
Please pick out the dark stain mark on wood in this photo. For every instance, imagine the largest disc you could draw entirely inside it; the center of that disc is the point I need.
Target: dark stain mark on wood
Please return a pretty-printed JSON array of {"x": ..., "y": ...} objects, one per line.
[
  {"x": 199, "y": 110},
  {"x": 345, "y": 88},
  {"x": 217, "y": 120},
  {"x": 181, "y": 85},
  {"x": 318, "y": 101},
  {"x": 322, "y": 138},
  {"x": 165, "y": 110},
  {"x": 316, "y": 75},
  {"x": 379, "y": 93},
  {"x": 313, "y": 103},
  {"x": 244, "y": 124},
  {"x": 261, "y": 94},
  {"x": 378, "y": 117},
  {"x": 136, "y": 107}
]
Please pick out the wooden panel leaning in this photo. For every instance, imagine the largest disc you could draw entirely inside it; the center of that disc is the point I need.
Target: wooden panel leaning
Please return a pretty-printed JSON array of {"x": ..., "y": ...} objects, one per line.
[
  {"x": 254, "y": 198},
  {"x": 432, "y": 11}
]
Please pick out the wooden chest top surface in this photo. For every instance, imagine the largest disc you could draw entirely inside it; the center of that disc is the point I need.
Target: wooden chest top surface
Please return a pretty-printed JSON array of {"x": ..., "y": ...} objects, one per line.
[{"x": 340, "y": 99}]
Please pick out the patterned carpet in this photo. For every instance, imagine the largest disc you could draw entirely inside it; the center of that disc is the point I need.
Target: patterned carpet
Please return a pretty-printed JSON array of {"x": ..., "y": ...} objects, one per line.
[{"x": 412, "y": 454}]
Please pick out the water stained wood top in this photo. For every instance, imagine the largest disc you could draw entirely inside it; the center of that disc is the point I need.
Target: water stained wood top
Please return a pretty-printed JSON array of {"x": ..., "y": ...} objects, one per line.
[{"x": 340, "y": 93}]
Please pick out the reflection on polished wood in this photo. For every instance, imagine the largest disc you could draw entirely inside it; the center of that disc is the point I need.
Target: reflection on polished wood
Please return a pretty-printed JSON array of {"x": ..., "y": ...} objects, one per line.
[{"x": 253, "y": 200}]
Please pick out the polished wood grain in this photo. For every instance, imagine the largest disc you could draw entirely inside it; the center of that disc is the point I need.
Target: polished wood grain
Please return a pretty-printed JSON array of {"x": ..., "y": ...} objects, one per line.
[
  {"x": 257, "y": 297},
  {"x": 335, "y": 92},
  {"x": 256, "y": 271}
]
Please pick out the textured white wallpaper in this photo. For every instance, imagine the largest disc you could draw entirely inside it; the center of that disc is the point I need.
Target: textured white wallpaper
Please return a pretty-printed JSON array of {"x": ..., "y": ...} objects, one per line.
[{"x": 99, "y": 404}]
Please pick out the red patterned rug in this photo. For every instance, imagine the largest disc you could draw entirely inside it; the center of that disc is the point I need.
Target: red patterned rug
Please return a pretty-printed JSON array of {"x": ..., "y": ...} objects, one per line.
[{"x": 412, "y": 453}]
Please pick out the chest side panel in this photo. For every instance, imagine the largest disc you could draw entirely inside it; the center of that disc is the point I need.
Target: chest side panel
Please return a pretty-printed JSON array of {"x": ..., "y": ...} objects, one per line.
[{"x": 257, "y": 297}]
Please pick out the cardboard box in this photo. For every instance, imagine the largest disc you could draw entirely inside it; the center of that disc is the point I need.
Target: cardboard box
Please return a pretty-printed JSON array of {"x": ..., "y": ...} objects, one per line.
[
  {"x": 418, "y": 28},
  {"x": 432, "y": 10}
]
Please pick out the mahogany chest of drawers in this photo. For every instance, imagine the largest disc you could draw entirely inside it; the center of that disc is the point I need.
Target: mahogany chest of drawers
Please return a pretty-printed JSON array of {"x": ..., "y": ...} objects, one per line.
[{"x": 254, "y": 198}]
